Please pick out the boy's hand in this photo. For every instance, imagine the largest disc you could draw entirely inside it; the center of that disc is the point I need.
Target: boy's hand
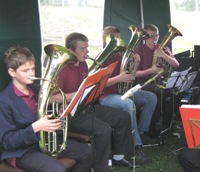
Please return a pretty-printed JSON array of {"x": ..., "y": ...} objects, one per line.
[{"x": 46, "y": 124}]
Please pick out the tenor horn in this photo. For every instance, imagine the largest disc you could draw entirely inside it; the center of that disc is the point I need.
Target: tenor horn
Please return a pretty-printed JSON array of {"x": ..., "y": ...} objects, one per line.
[
  {"x": 169, "y": 36},
  {"x": 127, "y": 64},
  {"x": 113, "y": 45},
  {"x": 58, "y": 57}
]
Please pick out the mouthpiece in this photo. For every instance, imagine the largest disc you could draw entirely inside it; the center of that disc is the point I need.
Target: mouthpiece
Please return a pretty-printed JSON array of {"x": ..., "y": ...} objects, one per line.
[
  {"x": 32, "y": 78},
  {"x": 88, "y": 57},
  {"x": 37, "y": 78},
  {"x": 94, "y": 60}
]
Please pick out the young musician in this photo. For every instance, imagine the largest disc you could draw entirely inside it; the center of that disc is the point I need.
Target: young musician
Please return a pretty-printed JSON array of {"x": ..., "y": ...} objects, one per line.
[
  {"x": 20, "y": 126},
  {"x": 147, "y": 100},
  {"x": 99, "y": 121},
  {"x": 146, "y": 70}
]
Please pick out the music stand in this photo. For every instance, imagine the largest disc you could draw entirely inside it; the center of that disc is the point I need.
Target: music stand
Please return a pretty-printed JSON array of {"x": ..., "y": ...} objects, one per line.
[
  {"x": 176, "y": 79},
  {"x": 188, "y": 81},
  {"x": 88, "y": 92},
  {"x": 176, "y": 84}
]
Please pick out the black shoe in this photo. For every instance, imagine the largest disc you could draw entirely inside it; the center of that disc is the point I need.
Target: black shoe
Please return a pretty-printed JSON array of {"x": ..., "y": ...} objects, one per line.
[
  {"x": 125, "y": 162},
  {"x": 140, "y": 156},
  {"x": 147, "y": 140}
]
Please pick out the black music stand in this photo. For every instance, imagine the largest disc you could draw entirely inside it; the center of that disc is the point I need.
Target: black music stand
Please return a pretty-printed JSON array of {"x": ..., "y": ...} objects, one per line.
[
  {"x": 178, "y": 83},
  {"x": 187, "y": 82},
  {"x": 88, "y": 92}
]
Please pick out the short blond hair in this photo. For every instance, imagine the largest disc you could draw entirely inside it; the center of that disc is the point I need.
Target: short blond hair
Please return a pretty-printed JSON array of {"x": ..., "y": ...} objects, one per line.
[{"x": 151, "y": 27}]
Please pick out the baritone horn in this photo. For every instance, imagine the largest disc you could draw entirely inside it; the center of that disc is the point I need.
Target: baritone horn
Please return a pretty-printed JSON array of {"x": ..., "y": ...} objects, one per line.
[
  {"x": 58, "y": 56},
  {"x": 113, "y": 45},
  {"x": 127, "y": 64},
  {"x": 169, "y": 36}
]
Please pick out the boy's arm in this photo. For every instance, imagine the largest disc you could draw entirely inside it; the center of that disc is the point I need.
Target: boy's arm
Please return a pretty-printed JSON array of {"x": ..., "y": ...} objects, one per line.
[{"x": 59, "y": 99}]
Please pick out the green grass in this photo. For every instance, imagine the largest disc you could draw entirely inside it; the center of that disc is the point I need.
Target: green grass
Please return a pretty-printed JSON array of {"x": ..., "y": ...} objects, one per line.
[{"x": 164, "y": 157}]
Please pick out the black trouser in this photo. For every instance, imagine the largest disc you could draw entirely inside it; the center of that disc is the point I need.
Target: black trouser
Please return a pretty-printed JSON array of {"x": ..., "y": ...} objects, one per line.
[
  {"x": 35, "y": 160},
  {"x": 189, "y": 159},
  {"x": 167, "y": 104},
  {"x": 100, "y": 123}
]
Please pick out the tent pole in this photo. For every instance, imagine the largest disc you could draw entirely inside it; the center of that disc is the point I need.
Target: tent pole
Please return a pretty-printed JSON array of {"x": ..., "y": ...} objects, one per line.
[{"x": 141, "y": 14}]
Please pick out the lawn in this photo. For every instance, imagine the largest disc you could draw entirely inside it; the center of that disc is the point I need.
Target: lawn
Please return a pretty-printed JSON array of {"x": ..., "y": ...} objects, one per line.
[{"x": 164, "y": 157}]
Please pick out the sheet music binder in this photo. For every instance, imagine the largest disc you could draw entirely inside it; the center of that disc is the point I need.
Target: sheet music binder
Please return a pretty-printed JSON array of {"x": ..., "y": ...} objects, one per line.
[
  {"x": 190, "y": 115},
  {"x": 89, "y": 90}
]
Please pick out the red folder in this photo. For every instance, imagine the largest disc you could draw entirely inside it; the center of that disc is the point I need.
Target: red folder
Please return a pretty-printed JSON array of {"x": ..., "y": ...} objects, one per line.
[
  {"x": 89, "y": 90},
  {"x": 190, "y": 115}
]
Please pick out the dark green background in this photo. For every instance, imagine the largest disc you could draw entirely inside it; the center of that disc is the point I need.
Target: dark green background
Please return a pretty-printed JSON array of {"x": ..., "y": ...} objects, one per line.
[
  {"x": 19, "y": 26},
  {"x": 128, "y": 12}
]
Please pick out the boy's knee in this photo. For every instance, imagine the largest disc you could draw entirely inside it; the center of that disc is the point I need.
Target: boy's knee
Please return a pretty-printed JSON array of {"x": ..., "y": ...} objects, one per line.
[
  {"x": 56, "y": 167},
  {"x": 107, "y": 129}
]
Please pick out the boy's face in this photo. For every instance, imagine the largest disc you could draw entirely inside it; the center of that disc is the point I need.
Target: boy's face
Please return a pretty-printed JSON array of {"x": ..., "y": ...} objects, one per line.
[
  {"x": 153, "y": 37},
  {"x": 81, "y": 50},
  {"x": 22, "y": 75}
]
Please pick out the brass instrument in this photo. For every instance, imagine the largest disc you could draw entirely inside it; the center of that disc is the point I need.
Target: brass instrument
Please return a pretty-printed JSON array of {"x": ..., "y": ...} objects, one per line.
[
  {"x": 58, "y": 57},
  {"x": 113, "y": 45},
  {"x": 170, "y": 35},
  {"x": 127, "y": 63},
  {"x": 134, "y": 89}
]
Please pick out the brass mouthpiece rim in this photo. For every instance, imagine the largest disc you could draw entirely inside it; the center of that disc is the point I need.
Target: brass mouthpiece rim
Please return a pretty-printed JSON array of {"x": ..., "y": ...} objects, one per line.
[
  {"x": 32, "y": 78},
  {"x": 37, "y": 78}
]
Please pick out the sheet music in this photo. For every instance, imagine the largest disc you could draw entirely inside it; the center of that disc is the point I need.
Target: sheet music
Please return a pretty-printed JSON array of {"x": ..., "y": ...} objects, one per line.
[
  {"x": 90, "y": 88},
  {"x": 85, "y": 93},
  {"x": 188, "y": 82},
  {"x": 176, "y": 78}
]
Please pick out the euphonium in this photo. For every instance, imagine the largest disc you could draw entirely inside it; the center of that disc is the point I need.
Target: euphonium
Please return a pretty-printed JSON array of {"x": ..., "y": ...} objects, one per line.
[
  {"x": 58, "y": 57},
  {"x": 127, "y": 63},
  {"x": 169, "y": 36},
  {"x": 113, "y": 45}
]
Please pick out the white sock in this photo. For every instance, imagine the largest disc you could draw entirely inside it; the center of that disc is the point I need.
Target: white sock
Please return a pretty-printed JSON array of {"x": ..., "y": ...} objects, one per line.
[{"x": 118, "y": 157}]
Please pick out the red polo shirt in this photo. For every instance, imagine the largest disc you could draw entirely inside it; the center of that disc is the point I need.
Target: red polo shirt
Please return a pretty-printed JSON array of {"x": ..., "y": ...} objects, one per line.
[
  {"x": 113, "y": 89},
  {"x": 71, "y": 77}
]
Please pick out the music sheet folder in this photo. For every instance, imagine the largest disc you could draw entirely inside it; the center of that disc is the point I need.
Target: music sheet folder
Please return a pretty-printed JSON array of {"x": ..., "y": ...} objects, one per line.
[
  {"x": 89, "y": 90},
  {"x": 190, "y": 115}
]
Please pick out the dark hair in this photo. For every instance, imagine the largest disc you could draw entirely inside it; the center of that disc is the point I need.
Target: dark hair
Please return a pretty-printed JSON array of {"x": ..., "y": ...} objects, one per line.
[
  {"x": 109, "y": 30},
  {"x": 73, "y": 38},
  {"x": 151, "y": 27},
  {"x": 16, "y": 56}
]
